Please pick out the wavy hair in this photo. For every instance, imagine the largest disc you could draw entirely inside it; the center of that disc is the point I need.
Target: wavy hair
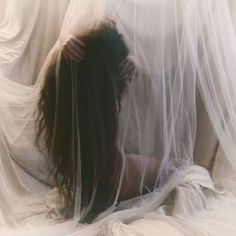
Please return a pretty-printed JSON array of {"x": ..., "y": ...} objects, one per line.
[{"x": 78, "y": 121}]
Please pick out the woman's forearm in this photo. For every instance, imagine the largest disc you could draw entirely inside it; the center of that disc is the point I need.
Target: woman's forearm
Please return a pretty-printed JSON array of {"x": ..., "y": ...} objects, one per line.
[{"x": 136, "y": 168}]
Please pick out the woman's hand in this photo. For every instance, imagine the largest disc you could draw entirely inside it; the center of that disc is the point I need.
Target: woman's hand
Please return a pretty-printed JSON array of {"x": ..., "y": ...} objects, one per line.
[
  {"x": 73, "y": 48},
  {"x": 127, "y": 69}
]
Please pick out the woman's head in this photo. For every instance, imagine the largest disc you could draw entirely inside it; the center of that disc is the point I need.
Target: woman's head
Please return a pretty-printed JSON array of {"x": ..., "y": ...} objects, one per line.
[{"x": 78, "y": 118}]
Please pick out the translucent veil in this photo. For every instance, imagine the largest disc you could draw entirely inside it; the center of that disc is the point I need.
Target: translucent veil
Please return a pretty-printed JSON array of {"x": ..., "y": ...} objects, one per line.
[{"x": 178, "y": 47}]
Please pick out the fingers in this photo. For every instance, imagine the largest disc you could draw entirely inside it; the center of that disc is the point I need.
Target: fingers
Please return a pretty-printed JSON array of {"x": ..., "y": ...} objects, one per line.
[
  {"x": 127, "y": 69},
  {"x": 72, "y": 55},
  {"x": 111, "y": 22},
  {"x": 73, "y": 49},
  {"x": 78, "y": 41},
  {"x": 77, "y": 49}
]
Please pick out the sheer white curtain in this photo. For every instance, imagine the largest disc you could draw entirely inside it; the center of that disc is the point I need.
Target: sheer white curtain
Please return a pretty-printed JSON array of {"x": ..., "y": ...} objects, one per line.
[{"x": 178, "y": 46}]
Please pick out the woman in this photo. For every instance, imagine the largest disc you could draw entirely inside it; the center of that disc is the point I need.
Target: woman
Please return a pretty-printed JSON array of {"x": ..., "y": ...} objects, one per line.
[{"x": 78, "y": 119}]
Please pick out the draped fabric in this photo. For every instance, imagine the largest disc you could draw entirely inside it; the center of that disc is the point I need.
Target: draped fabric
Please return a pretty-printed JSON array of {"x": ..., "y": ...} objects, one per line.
[{"x": 182, "y": 50}]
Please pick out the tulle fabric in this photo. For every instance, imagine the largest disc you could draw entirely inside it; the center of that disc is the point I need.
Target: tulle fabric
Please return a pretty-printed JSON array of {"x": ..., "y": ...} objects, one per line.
[{"x": 179, "y": 47}]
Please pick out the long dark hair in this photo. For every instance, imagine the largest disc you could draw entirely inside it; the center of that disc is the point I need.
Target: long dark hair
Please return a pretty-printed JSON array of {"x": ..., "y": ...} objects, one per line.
[{"x": 78, "y": 119}]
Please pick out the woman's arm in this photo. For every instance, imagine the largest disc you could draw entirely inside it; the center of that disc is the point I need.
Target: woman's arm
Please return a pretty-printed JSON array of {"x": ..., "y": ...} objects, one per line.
[{"x": 134, "y": 168}]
